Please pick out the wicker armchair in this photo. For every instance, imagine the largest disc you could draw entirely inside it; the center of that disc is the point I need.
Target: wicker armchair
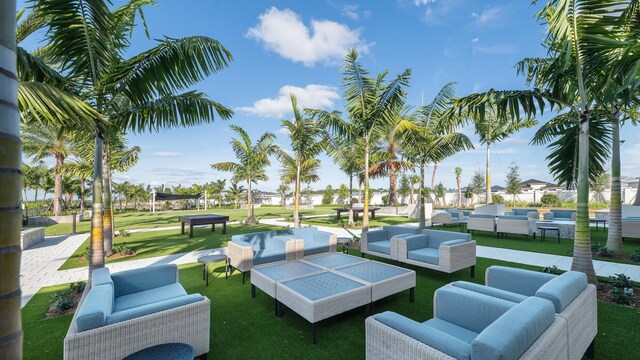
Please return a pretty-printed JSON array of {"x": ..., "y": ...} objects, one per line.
[
  {"x": 383, "y": 242},
  {"x": 447, "y": 218},
  {"x": 481, "y": 222},
  {"x": 560, "y": 215},
  {"x": 522, "y": 225},
  {"x": 247, "y": 250},
  {"x": 631, "y": 228}
]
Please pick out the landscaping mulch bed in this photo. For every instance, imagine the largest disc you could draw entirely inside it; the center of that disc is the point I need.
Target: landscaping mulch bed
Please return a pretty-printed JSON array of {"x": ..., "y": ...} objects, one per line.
[{"x": 604, "y": 294}]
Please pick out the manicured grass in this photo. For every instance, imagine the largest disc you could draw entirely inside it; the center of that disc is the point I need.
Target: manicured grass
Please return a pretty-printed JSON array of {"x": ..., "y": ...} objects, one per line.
[
  {"x": 380, "y": 220},
  {"x": 147, "y": 220},
  {"x": 549, "y": 246},
  {"x": 246, "y": 328},
  {"x": 165, "y": 242}
]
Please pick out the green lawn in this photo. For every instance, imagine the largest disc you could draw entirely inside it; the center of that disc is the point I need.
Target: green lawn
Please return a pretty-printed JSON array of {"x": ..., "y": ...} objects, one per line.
[
  {"x": 245, "y": 328},
  {"x": 549, "y": 246},
  {"x": 144, "y": 220},
  {"x": 380, "y": 220},
  {"x": 165, "y": 242}
]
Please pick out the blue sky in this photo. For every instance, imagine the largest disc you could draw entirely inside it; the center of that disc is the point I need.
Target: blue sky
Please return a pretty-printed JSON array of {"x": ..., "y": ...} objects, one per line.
[{"x": 297, "y": 46}]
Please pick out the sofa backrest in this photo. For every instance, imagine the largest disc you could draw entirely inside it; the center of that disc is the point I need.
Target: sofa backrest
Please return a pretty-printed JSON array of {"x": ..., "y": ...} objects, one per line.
[
  {"x": 136, "y": 280},
  {"x": 565, "y": 214},
  {"x": 481, "y": 216},
  {"x": 257, "y": 240},
  {"x": 524, "y": 282},
  {"x": 306, "y": 234},
  {"x": 97, "y": 305},
  {"x": 395, "y": 230},
  {"x": 437, "y": 237},
  {"x": 515, "y": 331},
  {"x": 523, "y": 212},
  {"x": 562, "y": 289},
  {"x": 513, "y": 217}
]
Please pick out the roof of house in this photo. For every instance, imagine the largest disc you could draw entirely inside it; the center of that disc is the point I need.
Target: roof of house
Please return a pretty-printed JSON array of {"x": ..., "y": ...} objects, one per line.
[
  {"x": 496, "y": 188},
  {"x": 547, "y": 185}
]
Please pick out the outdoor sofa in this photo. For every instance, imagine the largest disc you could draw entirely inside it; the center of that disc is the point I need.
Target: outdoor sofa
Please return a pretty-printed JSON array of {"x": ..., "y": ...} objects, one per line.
[
  {"x": 311, "y": 241},
  {"x": 515, "y": 224},
  {"x": 445, "y": 251},
  {"x": 126, "y": 312},
  {"x": 560, "y": 215},
  {"x": 244, "y": 251},
  {"x": 481, "y": 222},
  {"x": 574, "y": 300},
  {"x": 631, "y": 227},
  {"x": 470, "y": 325},
  {"x": 383, "y": 242},
  {"x": 532, "y": 214},
  {"x": 450, "y": 216}
]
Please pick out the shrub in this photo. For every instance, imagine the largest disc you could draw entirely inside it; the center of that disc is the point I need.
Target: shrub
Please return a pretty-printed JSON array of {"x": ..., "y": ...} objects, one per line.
[
  {"x": 552, "y": 270},
  {"x": 595, "y": 247},
  {"x": 498, "y": 199},
  {"x": 551, "y": 200},
  {"x": 86, "y": 253},
  {"x": 78, "y": 287},
  {"x": 124, "y": 233},
  {"x": 621, "y": 281},
  {"x": 385, "y": 199},
  {"x": 534, "y": 204},
  {"x": 64, "y": 303},
  {"x": 604, "y": 252},
  {"x": 123, "y": 249},
  {"x": 635, "y": 256},
  {"x": 622, "y": 296}
]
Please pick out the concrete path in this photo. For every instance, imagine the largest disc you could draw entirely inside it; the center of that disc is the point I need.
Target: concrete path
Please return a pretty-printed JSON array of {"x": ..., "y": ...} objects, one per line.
[{"x": 40, "y": 264}]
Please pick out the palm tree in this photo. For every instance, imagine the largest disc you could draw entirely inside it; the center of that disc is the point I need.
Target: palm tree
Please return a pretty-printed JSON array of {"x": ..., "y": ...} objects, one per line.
[
  {"x": 236, "y": 192},
  {"x": 141, "y": 93},
  {"x": 81, "y": 169},
  {"x": 458, "y": 172},
  {"x": 371, "y": 104},
  {"x": 308, "y": 140},
  {"x": 252, "y": 160},
  {"x": 413, "y": 179},
  {"x": 11, "y": 331},
  {"x": 219, "y": 188},
  {"x": 283, "y": 189},
  {"x": 46, "y": 141}
]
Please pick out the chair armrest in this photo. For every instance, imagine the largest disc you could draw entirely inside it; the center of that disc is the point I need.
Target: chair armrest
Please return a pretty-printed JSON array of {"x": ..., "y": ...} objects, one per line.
[
  {"x": 457, "y": 255},
  {"x": 533, "y": 215},
  {"x": 547, "y": 216},
  {"x": 441, "y": 218},
  {"x": 240, "y": 256},
  {"x": 133, "y": 281},
  {"x": 331, "y": 238},
  {"x": 523, "y": 282}
]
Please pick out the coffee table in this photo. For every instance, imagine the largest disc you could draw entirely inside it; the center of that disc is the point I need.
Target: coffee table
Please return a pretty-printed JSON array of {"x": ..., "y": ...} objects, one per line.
[
  {"x": 547, "y": 228},
  {"x": 208, "y": 219},
  {"x": 385, "y": 279},
  {"x": 333, "y": 260}
]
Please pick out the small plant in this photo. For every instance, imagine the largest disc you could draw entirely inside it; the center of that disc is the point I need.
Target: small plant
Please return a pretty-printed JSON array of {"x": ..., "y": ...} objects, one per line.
[
  {"x": 552, "y": 270},
  {"x": 123, "y": 249},
  {"x": 63, "y": 303},
  {"x": 124, "y": 233},
  {"x": 86, "y": 253},
  {"x": 78, "y": 287},
  {"x": 595, "y": 247},
  {"x": 635, "y": 256},
  {"x": 621, "y": 281},
  {"x": 604, "y": 252},
  {"x": 622, "y": 296},
  {"x": 497, "y": 199},
  {"x": 551, "y": 200}
]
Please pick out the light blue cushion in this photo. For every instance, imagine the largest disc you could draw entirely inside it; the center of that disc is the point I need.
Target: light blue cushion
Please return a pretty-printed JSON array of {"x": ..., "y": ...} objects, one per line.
[
  {"x": 524, "y": 282},
  {"x": 153, "y": 308},
  {"x": 97, "y": 305},
  {"x": 322, "y": 285},
  {"x": 268, "y": 255},
  {"x": 383, "y": 247},
  {"x": 431, "y": 336},
  {"x": 566, "y": 214},
  {"x": 482, "y": 216},
  {"x": 306, "y": 234},
  {"x": 257, "y": 240},
  {"x": 150, "y": 277},
  {"x": 487, "y": 290},
  {"x": 417, "y": 241},
  {"x": 427, "y": 255},
  {"x": 456, "y": 331},
  {"x": 149, "y": 296},
  {"x": 514, "y": 332},
  {"x": 314, "y": 247},
  {"x": 563, "y": 289},
  {"x": 101, "y": 276},
  {"x": 377, "y": 235},
  {"x": 468, "y": 309},
  {"x": 396, "y": 231},
  {"x": 436, "y": 237},
  {"x": 513, "y": 217},
  {"x": 453, "y": 242}
]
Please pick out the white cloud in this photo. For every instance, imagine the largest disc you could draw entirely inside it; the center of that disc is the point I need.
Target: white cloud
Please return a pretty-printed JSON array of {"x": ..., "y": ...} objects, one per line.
[
  {"x": 475, "y": 40},
  {"x": 423, "y": 2},
  {"x": 488, "y": 15},
  {"x": 478, "y": 47},
  {"x": 352, "y": 12},
  {"x": 167, "y": 154},
  {"x": 283, "y": 131},
  {"x": 311, "y": 96},
  {"x": 283, "y": 32}
]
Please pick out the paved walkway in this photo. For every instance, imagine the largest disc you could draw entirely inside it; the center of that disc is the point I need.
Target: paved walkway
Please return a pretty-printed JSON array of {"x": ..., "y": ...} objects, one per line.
[{"x": 40, "y": 264}]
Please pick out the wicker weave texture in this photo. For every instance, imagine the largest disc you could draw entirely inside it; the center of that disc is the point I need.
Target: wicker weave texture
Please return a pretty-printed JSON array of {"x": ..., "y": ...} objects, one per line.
[
  {"x": 481, "y": 224},
  {"x": 443, "y": 218},
  {"x": 452, "y": 258},
  {"x": 240, "y": 257},
  {"x": 513, "y": 226},
  {"x": 582, "y": 319},
  {"x": 187, "y": 324},
  {"x": 552, "y": 344}
]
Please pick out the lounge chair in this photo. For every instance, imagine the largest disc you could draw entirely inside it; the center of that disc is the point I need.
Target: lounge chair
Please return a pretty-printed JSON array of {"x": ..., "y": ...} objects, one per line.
[
  {"x": 560, "y": 215},
  {"x": 522, "y": 225},
  {"x": 481, "y": 222},
  {"x": 311, "y": 241},
  {"x": 383, "y": 242},
  {"x": 532, "y": 214},
  {"x": 451, "y": 216}
]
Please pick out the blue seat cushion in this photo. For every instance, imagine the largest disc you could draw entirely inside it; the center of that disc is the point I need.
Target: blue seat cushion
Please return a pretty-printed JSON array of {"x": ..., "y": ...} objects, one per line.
[
  {"x": 428, "y": 335},
  {"x": 256, "y": 240},
  {"x": 268, "y": 255},
  {"x": 427, "y": 255},
  {"x": 97, "y": 305},
  {"x": 563, "y": 289},
  {"x": 152, "y": 308},
  {"x": 383, "y": 247},
  {"x": 306, "y": 234},
  {"x": 497, "y": 293},
  {"x": 468, "y": 309},
  {"x": 514, "y": 332},
  {"x": 149, "y": 296},
  {"x": 454, "y": 330}
]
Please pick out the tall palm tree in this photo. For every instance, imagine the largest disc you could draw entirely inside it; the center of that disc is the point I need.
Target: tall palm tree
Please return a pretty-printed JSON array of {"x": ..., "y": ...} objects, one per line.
[
  {"x": 308, "y": 140},
  {"x": 146, "y": 92},
  {"x": 47, "y": 141},
  {"x": 413, "y": 179},
  {"x": 283, "y": 189},
  {"x": 235, "y": 192},
  {"x": 10, "y": 175},
  {"x": 370, "y": 103},
  {"x": 252, "y": 160},
  {"x": 458, "y": 172}
]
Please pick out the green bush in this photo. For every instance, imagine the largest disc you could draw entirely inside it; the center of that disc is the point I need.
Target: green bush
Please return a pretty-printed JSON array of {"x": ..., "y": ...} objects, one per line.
[
  {"x": 498, "y": 199},
  {"x": 385, "y": 199},
  {"x": 622, "y": 296},
  {"x": 635, "y": 256},
  {"x": 551, "y": 200},
  {"x": 123, "y": 249},
  {"x": 620, "y": 281},
  {"x": 597, "y": 205},
  {"x": 604, "y": 252},
  {"x": 552, "y": 270},
  {"x": 534, "y": 205},
  {"x": 78, "y": 287}
]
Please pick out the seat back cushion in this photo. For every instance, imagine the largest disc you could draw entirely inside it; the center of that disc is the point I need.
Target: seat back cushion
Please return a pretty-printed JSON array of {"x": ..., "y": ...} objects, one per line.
[
  {"x": 306, "y": 234},
  {"x": 400, "y": 230},
  {"x": 523, "y": 282},
  {"x": 565, "y": 214},
  {"x": 257, "y": 240},
  {"x": 97, "y": 305},
  {"x": 468, "y": 309},
  {"x": 101, "y": 276},
  {"x": 437, "y": 237},
  {"x": 514, "y": 332},
  {"x": 430, "y": 336},
  {"x": 132, "y": 281},
  {"x": 513, "y": 217},
  {"x": 487, "y": 290},
  {"x": 152, "y": 308},
  {"x": 563, "y": 289}
]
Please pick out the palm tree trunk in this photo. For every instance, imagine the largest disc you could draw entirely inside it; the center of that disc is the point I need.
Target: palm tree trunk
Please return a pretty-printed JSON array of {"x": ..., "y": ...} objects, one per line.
[
  {"x": 433, "y": 181},
  {"x": 365, "y": 210},
  {"x": 57, "y": 189},
  {"x": 351, "y": 223},
  {"x": 423, "y": 217},
  {"x": 249, "y": 217},
  {"x": 411, "y": 192},
  {"x": 359, "y": 189},
  {"x": 458, "y": 179},
  {"x": 296, "y": 202},
  {"x": 10, "y": 178},
  {"x": 107, "y": 223},
  {"x": 393, "y": 197},
  {"x": 82, "y": 181},
  {"x": 636, "y": 202},
  {"x": 96, "y": 249},
  {"x": 614, "y": 237},
  {"x": 488, "y": 176}
]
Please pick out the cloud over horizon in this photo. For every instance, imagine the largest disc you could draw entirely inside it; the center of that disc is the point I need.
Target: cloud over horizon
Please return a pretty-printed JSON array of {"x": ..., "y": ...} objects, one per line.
[{"x": 311, "y": 96}]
